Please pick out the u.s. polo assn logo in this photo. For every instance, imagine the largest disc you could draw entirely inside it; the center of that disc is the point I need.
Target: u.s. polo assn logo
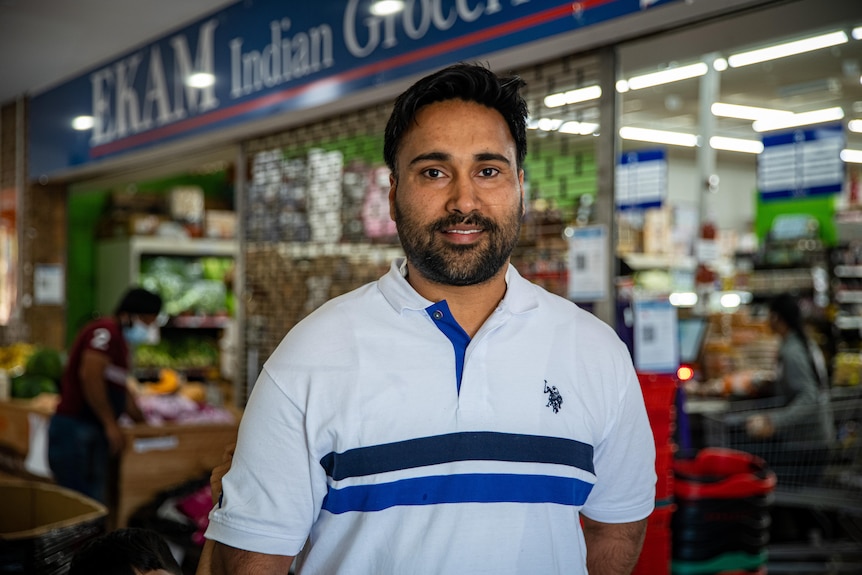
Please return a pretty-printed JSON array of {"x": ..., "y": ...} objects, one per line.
[{"x": 555, "y": 400}]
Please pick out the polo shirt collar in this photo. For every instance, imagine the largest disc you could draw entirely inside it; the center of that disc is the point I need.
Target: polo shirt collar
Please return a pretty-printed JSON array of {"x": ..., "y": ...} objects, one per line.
[{"x": 520, "y": 294}]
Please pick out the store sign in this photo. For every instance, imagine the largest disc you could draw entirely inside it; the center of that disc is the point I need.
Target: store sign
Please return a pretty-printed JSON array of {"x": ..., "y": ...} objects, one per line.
[
  {"x": 269, "y": 57},
  {"x": 641, "y": 179},
  {"x": 801, "y": 163}
]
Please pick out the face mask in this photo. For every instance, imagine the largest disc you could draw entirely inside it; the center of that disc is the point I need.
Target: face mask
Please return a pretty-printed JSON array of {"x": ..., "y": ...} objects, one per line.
[{"x": 139, "y": 333}]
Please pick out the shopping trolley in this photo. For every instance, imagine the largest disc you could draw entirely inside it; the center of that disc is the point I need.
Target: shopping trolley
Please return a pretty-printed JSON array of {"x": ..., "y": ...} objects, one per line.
[{"x": 810, "y": 473}]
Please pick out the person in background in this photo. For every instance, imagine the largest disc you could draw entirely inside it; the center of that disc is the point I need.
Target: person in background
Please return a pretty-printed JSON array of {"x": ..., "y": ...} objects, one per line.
[
  {"x": 451, "y": 417},
  {"x": 84, "y": 432},
  {"x": 128, "y": 551},
  {"x": 800, "y": 380}
]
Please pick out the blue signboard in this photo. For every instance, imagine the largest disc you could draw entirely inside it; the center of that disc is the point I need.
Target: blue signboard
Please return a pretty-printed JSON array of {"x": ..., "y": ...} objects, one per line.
[
  {"x": 270, "y": 57},
  {"x": 641, "y": 179},
  {"x": 801, "y": 163}
]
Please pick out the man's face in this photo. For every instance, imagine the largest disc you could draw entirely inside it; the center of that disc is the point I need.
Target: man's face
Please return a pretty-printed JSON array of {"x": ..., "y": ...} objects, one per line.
[{"x": 457, "y": 200}]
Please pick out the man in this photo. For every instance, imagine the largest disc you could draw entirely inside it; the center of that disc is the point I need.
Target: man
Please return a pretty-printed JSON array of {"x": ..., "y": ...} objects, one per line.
[
  {"x": 84, "y": 432},
  {"x": 450, "y": 417}
]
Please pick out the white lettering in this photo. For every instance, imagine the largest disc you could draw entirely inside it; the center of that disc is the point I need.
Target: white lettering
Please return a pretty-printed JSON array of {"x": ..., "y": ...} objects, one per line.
[
  {"x": 183, "y": 69},
  {"x": 156, "y": 93},
  {"x": 126, "y": 97},
  {"x": 285, "y": 58},
  {"x": 101, "y": 83},
  {"x": 235, "y": 67},
  {"x": 466, "y": 14},
  {"x": 371, "y": 25},
  {"x": 415, "y": 21}
]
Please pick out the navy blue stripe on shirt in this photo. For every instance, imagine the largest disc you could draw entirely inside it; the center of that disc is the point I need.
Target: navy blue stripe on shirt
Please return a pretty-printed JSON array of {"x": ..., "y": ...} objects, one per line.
[
  {"x": 464, "y": 446},
  {"x": 467, "y": 488}
]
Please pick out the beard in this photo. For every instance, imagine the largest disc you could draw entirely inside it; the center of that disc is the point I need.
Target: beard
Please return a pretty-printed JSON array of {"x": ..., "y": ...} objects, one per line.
[{"x": 453, "y": 264}]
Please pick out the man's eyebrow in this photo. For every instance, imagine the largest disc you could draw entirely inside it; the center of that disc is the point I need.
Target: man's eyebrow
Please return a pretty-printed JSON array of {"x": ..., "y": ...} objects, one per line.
[
  {"x": 431, "y": 157},
  {"x": 492, "y": 156},
  {"x": 442, "y": 156}
]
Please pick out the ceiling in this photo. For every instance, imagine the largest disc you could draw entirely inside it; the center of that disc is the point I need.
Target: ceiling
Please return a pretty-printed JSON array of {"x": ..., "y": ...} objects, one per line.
[{"x": 46, "y": 42}]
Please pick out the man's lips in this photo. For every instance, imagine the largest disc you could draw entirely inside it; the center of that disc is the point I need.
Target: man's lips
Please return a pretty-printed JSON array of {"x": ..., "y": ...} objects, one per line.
[{"x": 462, "y": 235}]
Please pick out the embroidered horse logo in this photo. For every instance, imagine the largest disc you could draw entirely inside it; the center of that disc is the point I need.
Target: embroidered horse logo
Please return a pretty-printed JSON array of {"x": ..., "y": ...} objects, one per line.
[{"x": 555, "y": 400}]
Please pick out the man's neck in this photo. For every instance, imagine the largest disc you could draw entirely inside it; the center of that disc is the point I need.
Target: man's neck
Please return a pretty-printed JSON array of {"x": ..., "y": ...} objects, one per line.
[{"x": 470, "y": 305}]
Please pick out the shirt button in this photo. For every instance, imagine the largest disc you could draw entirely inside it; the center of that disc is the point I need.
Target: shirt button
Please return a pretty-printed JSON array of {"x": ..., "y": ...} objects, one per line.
[{"x": 438, "y": 314}]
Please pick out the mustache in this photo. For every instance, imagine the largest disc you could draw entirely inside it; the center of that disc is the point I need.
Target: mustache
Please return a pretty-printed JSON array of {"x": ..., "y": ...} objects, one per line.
[{"x": 471, "y": 219}]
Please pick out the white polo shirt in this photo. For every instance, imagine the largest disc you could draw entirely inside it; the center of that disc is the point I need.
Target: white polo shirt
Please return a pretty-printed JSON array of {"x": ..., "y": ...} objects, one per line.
[{"x": 359, "y": 452}]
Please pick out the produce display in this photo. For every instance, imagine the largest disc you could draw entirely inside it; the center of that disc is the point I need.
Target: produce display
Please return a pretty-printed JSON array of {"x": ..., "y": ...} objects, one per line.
[
  {"x": 33, "y": 370},
  {"x": 180, "y": 353},
  {"x": 189, "y": 285}
]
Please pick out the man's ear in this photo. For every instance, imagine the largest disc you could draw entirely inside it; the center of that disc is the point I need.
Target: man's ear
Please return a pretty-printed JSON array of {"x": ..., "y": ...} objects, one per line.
[
  {"x": 521, "y": 186},
  {"x": 393, "y": 183}
]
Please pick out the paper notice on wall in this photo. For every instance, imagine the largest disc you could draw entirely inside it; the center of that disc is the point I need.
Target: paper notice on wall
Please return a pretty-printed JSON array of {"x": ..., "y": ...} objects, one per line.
[
  {"x": 588, "y": 263},
  {"x": 656, "y": 339}
]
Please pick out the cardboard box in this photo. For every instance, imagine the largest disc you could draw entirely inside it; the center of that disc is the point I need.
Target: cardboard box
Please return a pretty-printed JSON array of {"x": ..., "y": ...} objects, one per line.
[
  {"x": 220, "y": 224},
  {"x": 42, "y": 525}
]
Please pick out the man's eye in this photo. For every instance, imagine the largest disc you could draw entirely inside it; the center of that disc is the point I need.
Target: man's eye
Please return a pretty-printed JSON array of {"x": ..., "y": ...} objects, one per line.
[
  {"x": 433, "y": 173},
  {"x": 488, "y": 172}
]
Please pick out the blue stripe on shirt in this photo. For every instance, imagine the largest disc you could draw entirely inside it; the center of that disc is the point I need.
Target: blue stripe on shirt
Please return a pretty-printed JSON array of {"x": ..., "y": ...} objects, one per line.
[{"x": 465, "y": 488}]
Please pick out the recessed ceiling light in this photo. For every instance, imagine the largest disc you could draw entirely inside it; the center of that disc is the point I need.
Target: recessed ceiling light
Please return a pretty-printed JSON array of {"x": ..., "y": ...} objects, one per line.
[
  {"x": 200, "y": 80},
  {"x": 387, "y": 7},
  {"x": 82, "y": 123}
]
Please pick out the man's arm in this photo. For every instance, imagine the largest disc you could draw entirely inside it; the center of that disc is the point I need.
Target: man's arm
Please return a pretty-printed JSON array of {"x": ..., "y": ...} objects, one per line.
[
  {"x": 613, "y": 548},
  {"x": 226, "y": 560},
  {"x": 92, "y": 375}
]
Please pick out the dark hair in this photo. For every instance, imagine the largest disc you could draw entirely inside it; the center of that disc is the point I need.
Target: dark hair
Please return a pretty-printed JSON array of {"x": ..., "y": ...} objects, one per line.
[
  {"x": 462, "y": 81},
  {"x": 786, "y": 307},
  {"x": 139, "y": 300},
  {"x": 125, "y": 551}
]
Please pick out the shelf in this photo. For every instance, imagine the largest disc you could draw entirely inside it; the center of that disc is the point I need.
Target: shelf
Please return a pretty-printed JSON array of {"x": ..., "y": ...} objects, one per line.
[
  {"x": 198, "y": 322},
  {"x": 849, "y": 296},
  {"x": 848, "y": 322},
  {"x": 848, "y": 271},
  {"x": 638, "y": 261},
  {"x": 177, "y": 246}
]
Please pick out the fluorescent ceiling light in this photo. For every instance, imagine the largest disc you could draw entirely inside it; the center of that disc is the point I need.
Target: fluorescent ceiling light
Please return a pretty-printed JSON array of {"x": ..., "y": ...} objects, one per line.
[
  {"x": 82, "y": 123},
  {"x": 746, "y": 112},
  {"x": 787, "y": 49},
  {"x": 857, "y": 33},
  {"x": 719, "y": 64},
  {"x": 803, "y": 119},
  {"x": 682, "y": 299},
  {"x": 851, "y": 156},
  {"x": 658, "y": 136},
  {"x": 579, "y": 128},
  {"x": 854, "y": 125},
  {"x": 667, "y": 76},
  {"x": 573, "y": 96},
  {"x": 549, "y": 124},
  {"x": 200, "y": 80},
  {"x": 736, "y": 145}
]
